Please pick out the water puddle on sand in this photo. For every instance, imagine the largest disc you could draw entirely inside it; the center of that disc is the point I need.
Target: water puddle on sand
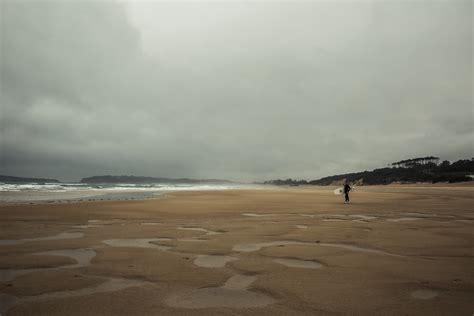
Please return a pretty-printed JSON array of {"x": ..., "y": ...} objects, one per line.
[
  {"x": 110, "y": 285},
  {"x": 239, "y": 282},
  {"x": 257, "y": 246},
  {"x": 404, "y": 219},
  {"x": 257, "y": 215},
  {"x": 10, "y": 274},
  {"x": 199, "y": 229},
  {"x": 341, "y": 217},
  {"x": 212, "y": 261},
  {"x": 359, "y": 249},
  {"x": 297, "y": 263},
  {"x": 364, "y": 217},
  {"x": 192, "y": 239},
  {"x": 6, "y": 302},
  {"x": 86, "y": 226},
  {"x": 250, "y": 247},
  {"x": 266, "y": 215},
  {"x": 55, "y": 237},
  {"x": 418, "y": 214},
  {"x": 470, "y": 221},
  {"x": 82, "y": 256},
  {"x": 107, "y": 221},
  {"x": 151, "y": 224},
  {"x": 424, "y": 294},
  {"x": 233, "y": 294},
  {"x": 301, "y": 226},
  {"x": 138, "y": 243}
]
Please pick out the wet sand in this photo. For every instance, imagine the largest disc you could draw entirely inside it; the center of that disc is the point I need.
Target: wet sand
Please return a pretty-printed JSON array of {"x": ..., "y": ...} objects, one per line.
[{"x": 395, "y": 250}]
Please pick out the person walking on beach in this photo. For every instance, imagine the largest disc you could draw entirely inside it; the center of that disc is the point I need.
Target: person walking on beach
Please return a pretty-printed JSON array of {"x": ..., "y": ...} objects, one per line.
[{"x": 346, "y": 190}]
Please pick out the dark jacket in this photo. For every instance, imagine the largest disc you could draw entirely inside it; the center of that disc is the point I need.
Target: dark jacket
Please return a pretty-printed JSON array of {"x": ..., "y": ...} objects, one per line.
[{"x": 347, "y": 188}]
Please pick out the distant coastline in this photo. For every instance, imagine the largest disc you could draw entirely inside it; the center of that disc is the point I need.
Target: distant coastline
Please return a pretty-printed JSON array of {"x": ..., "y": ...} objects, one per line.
[
  {"x": 11, "y": 179},
  {"x": 109, "y": 179},
  {"x": 141, "y": 180}
]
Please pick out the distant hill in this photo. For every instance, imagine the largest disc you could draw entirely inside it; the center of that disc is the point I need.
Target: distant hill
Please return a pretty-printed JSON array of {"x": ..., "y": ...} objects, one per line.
[
  {"x": 10, "y": 179},
  {"x": 135, "y": 179},
  {"x": 414, "y": 170}
]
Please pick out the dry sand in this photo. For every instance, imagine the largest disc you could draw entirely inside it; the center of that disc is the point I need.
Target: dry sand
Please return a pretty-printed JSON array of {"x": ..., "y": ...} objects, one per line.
[{"x": 395, "y": 250}]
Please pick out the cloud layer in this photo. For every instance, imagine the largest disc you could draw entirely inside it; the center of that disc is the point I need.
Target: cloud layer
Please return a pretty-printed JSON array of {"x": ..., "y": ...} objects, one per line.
[{"x": 240, "y": 90}]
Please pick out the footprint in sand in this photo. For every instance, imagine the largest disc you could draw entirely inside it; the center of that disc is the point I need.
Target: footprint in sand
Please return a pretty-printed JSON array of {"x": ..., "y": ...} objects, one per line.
[{"x": 232, "y": 294}]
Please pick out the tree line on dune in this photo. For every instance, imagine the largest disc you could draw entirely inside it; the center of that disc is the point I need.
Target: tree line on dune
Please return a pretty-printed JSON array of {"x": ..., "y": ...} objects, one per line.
[{"x": 423, "y": 169}]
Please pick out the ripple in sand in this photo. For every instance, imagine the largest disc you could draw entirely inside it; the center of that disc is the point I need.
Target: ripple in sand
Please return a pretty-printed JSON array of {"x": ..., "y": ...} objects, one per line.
[
  {"x": 199, "y": 229},
  {"x": 297, "y": 263},
  {"x": 151, "y": 224},
  {"x": 424, "y": 294},
  {"x": 232, "y": 294},
  {"x": 212, "y": 261},
  {"x": 137, "y": 243},
  {"x": 55, "y": 237}
]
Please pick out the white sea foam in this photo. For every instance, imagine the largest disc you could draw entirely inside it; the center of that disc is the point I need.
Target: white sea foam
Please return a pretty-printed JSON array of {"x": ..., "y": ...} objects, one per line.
[{"x": 77, "y": 191}]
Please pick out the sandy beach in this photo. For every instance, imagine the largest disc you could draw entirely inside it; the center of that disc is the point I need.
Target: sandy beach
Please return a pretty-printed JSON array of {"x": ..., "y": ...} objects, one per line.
[{"x": 395, "y": 250}]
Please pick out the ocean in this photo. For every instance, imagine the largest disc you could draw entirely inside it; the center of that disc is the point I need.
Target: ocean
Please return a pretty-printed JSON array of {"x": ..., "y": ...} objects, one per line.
[{"x": 75, "y": 192}]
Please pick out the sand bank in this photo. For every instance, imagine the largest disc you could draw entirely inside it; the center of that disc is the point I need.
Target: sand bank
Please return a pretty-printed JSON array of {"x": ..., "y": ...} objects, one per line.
[{"x": 393, "y": 250}]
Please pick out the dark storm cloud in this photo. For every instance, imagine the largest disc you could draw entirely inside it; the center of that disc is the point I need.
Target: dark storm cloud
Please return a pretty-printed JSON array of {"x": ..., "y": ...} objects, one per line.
[{"x": 241, "y": 90}]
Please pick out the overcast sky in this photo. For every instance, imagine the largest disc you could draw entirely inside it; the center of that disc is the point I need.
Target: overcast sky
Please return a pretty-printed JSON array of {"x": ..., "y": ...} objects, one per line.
[{"x": 238, "y": 90}]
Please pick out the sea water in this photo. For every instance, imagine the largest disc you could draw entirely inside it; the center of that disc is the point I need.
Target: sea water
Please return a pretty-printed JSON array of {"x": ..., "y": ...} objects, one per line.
[{"x": 73, "y": 192}]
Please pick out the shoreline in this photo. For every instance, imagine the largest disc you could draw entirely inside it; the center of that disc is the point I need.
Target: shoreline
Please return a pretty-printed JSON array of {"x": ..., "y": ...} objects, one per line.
[{"x": 135, "y": 195}]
